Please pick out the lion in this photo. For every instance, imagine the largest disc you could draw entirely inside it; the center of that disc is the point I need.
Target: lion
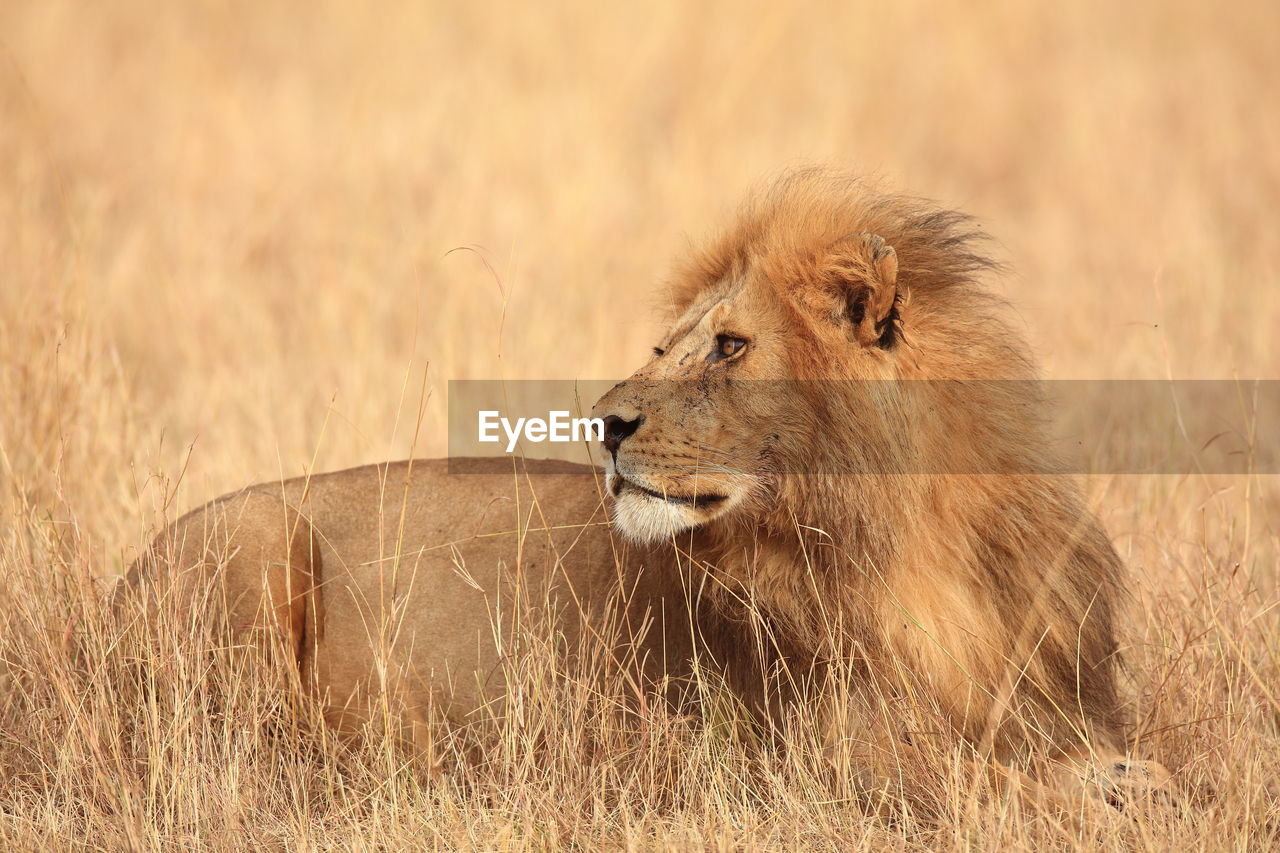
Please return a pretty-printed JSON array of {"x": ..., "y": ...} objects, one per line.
[{"x": 831, "y": 462}]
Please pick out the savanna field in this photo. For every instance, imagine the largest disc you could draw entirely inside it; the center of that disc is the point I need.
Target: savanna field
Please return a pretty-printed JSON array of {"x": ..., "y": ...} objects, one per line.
[{"x": 225, "y": 257}]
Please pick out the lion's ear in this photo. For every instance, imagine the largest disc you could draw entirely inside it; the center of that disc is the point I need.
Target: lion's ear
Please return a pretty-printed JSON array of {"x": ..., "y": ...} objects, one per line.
[{"x": 866, "y": 270}]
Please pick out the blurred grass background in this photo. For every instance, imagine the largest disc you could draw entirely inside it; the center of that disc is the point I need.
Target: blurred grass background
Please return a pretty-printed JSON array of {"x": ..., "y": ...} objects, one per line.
[{"x": 225, "y": 234}]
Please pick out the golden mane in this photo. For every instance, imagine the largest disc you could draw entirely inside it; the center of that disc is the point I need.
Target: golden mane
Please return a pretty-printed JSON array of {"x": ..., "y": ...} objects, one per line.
[
  {"x": 923, "y": 517},
  {"x": 787, "y": 234}
]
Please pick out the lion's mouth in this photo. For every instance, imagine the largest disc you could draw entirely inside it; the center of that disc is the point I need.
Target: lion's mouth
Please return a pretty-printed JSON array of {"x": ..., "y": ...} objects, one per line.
[{"x": 698, "y": 501}]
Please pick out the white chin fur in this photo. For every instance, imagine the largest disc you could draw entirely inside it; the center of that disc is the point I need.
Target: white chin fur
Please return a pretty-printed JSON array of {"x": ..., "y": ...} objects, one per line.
[{"x": 648, "y": 521}]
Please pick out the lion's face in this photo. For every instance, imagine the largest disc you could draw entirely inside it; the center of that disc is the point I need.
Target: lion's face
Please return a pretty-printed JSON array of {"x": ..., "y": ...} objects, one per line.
[{"x": 704, "y": 430}]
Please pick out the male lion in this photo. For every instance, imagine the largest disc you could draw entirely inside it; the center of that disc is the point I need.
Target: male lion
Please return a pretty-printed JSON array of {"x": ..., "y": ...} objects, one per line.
[{"x": 791, "y": 498}]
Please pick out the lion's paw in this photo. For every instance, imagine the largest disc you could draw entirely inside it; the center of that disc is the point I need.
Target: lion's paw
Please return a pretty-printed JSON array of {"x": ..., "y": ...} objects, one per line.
[{"x": 1126, "y": 782}]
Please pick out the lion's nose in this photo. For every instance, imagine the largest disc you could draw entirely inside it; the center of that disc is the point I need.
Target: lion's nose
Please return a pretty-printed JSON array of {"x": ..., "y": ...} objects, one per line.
[{"x": 616, "y": 430}]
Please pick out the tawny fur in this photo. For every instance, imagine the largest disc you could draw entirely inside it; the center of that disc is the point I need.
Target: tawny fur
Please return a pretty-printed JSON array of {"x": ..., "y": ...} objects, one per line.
[
  {"x": 913, "y": 533},
  {"x": 998, "y": 590}
]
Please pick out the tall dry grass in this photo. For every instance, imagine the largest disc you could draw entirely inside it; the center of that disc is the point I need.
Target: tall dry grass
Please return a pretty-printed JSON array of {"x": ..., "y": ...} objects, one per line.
[{"x": 223, "y": 238}]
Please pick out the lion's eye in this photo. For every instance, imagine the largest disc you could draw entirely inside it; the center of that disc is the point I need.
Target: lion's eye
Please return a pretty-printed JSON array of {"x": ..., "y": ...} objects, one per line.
[
  {"x": 659, "y": 351},
  {"x": 727, "y": 346}
]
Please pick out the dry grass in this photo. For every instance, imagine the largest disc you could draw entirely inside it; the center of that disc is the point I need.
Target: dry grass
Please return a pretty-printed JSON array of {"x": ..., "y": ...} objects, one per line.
[{"x": 223, "y": 233}]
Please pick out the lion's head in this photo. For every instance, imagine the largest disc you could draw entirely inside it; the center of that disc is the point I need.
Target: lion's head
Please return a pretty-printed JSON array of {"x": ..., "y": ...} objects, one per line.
[
  {"x": 781, "y": 367},
  {"x": 831, "y": 424}
]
